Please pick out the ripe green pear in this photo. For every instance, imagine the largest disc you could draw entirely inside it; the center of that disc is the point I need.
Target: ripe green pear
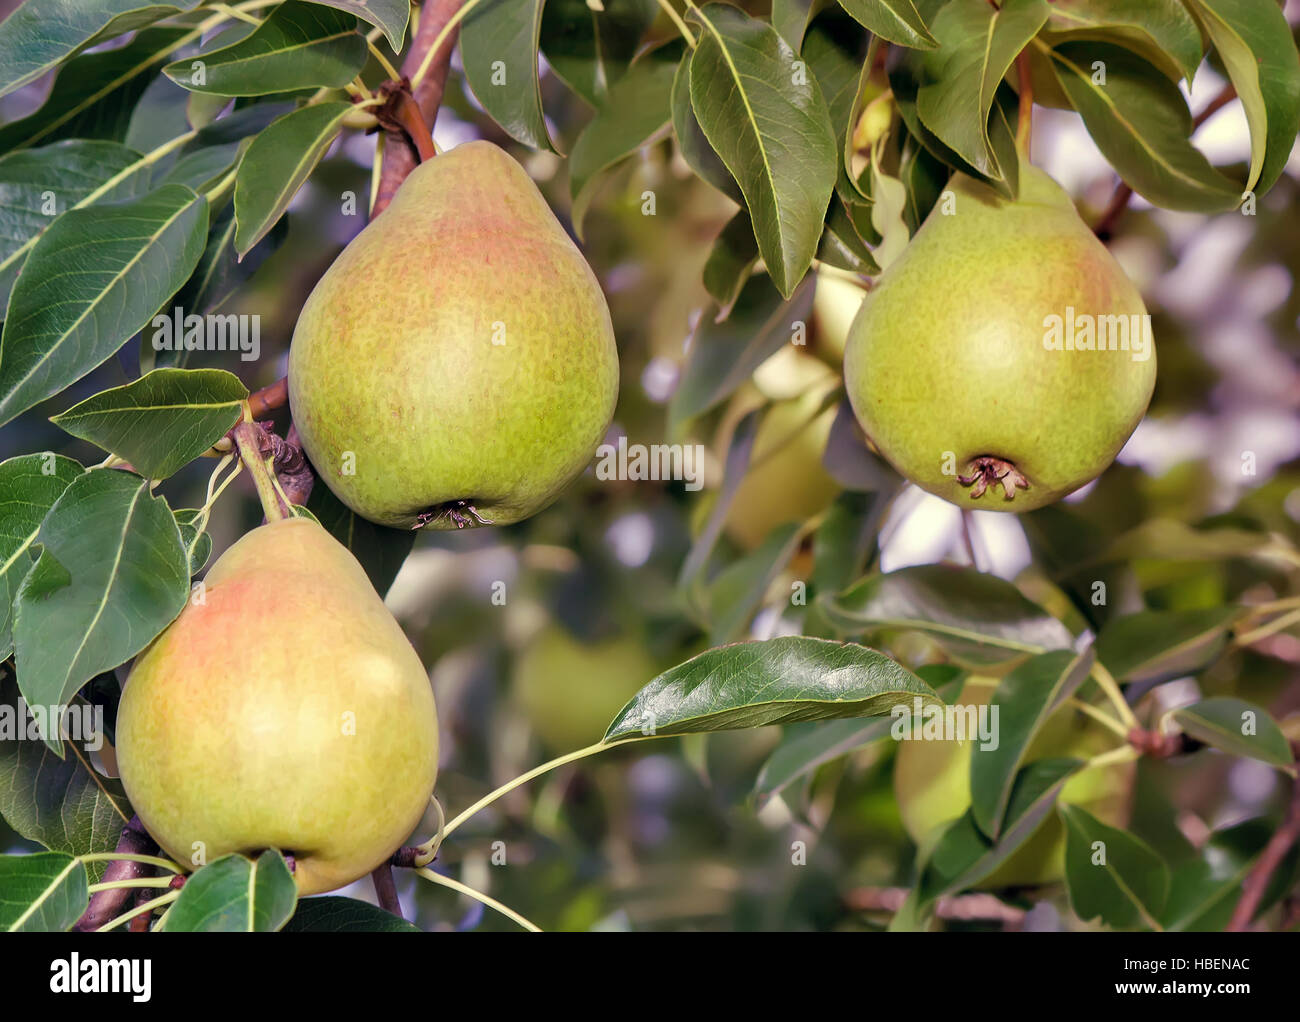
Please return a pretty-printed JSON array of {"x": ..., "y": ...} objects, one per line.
[
  {"x": 456, "y": 364},
  {"x": 955, "y": 364},
  {"x": 570, "y": 690},
  {"x": 932, "y": 784},
  {"x": 283, "y": 709}
]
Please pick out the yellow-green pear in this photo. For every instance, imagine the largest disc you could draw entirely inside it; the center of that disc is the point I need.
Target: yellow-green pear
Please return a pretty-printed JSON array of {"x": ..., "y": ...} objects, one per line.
[
  {"x": 1004, "y": 358},
  {"x": 283, "y": 709},
  {"x": 932, "y": 783},
  {"x": 835, "y": 304},
  {"x": 456, "y": 364},
  {"x": 571, "y": 690}
]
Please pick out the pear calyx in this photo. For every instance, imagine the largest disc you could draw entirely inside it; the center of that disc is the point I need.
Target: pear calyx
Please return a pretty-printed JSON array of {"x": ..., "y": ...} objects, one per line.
[
  {"x": 459, "y": 512},
  {"x": 986, "y": 471}
]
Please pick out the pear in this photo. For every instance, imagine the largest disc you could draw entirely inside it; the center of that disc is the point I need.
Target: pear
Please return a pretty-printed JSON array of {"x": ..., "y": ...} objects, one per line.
[
  {"x": 456, "y": 364},
  {"x": 932, "y": 784},
  {"x": 284, "y": 708},
  {"x": 964, "y": 363}
]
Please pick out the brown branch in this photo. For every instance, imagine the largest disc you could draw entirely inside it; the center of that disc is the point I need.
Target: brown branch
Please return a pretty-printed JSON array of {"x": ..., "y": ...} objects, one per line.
[
  {"x": 386, "y": 889},
  {"x": 400, "y": 157},
  {"x": 262, "y": 403},
  {"x": 108, "y": 905},
  {"x": 1025, "y": 122},
  {"x": 964, "y": 907},
  {"x": 1119, "y": 200},
  {"x": 1257, "y": 880}
]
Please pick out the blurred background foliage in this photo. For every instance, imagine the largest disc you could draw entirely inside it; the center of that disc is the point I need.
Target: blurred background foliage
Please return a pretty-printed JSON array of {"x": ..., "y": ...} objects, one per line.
[{"x": 671, "y": 835}]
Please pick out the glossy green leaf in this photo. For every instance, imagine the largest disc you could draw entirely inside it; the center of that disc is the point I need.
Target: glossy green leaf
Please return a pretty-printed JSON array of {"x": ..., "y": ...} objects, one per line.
[
  {"x": 300, "y": 45},
  {"x": 1111, "y": 874},
  {"x": 774, "y": 681},
  {"x": 1238, "y": 728},
  {"x": 498, "y": 48},
  {"x": 979, "y": 43},
  {"x": 693, "y": 144},
  {"x": 1141, "y": 123},
  {"x": 42, "y": 893},
  {"x": 277, "y": 164},
  {"x": 634, "y": 112},
  {"x": 730, "y": 262},
  {"x": 739, "y": 589},
  {"x": 198, "y": 545},
  {"x": 895, "y": 20},
  {"x": 162, "y": 421},
  {"x": 69, "y": 312},
  {"x": 112, "y": 575},
  {"x": 1025, "y": 699},
  {"x": 37, "y": 185},
  {"x": 29, "y": 486},
  {"x": 332, "y": 914},
  {"x": 93, "y": 95},
  {"x": 42, "y": 33},
  {"x": 390, "y": 15},
  {"x": 235, "y": 895},
  {"x": 765, "y": 116},
  {"x": 1164, "y": 643},
  {"x": 980, "y": 618}
]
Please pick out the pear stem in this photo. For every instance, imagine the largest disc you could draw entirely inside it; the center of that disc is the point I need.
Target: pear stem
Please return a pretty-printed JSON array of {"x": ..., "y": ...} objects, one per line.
[
  {"x": 479, "y": 896},
  {"x": 139, "y": 910},
  {"x": 248, "y": 440},
  {"x": 407, "y": 114},
  {"x": 1024, "y": 126},
  {"x": 1107, "y": 683}
]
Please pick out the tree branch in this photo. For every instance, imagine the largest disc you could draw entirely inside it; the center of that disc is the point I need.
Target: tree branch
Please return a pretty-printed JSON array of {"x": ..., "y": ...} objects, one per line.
[
  {"x": 1257, "y": 880},
  {"x": 107, "y": 905},
  {"x": 400, "y": 156},
  {"x": 386, "y": 889}
]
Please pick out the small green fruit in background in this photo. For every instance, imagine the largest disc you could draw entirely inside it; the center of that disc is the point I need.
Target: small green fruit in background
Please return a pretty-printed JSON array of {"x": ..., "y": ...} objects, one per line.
[
  {"x": 285, "y": 710},
  {"x": 932, "y": 783},
  {"x": 570, "y": 690},
  {"x": 456, "y": 364},
  {"x": 946, "y": 364},
  {"x": 836, "y": 302}
]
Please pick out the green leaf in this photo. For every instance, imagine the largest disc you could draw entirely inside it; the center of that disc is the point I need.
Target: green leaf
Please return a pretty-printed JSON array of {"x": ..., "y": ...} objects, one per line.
[
  {"x": 1160, "y": 31},
  {"x": 129, "y": 578},
  {"x": 635, "y": 111},
  {"x": 235, "y": 895},
  {"x": 42, "y": 33},
  {"x": 1238, "y": 728},
  {"x": 345, "y": 915},
  {"x": 1025, "y": 699},
  {"x": 61, "y": 803},
  {"x": 390, "y": 15},
  {"x": 29, "y": 486},
  {"x": 724, "y": 355},
  {"x": 805, "y": 747},
  {"x": 791, "y": 18},
  {"x": 94, "y": 278},
  {"x": 1164, "y": 643},
  {"x": 963, "y": 856},
  {"x": 299, "y": 46},
  {"x": 1111, "y": 874},
  {"x": 1204, "y": 892},
  {"x": 380, "y": 550},
  {"x": 1254, "y": 41},
  {"x": 590, "y": 49},
  {"x": 694, "y": 147},
  {"x": 498, "y": 48},
  {"x": 1141, "y": 124},
  {"x": 37, "y": 185},
  {"x": 42, "y": 893},
  {"x": 198, "y": 545},
  {"x": 94, "y": 94},
  {"x": 979, "y": 43},
  {"x": 201, "y": 169},
  {"x": 775, "y": 681},
  {"x": 277, "y": 164},
  {"x": 766, "y": 117},
  {"x": 979, "y": 618},
  {"x": 895, "y": 20},
  {"x": 730, "y": 262},
  {"x": 162, "y": 421}
]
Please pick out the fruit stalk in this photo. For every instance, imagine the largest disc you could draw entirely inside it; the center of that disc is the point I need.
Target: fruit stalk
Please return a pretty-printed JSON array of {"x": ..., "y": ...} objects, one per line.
[{"x": 248, "y": 438}]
